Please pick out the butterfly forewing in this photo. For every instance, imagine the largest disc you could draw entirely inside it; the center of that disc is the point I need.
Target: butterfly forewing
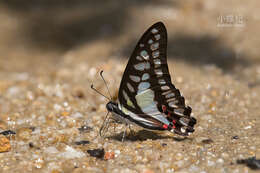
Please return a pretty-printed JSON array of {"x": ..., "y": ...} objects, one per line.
[{"x": 146, "y": 89}]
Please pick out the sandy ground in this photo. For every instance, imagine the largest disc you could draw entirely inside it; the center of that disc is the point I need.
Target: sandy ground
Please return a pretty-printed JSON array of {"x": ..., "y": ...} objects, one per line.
[{"x": 51, "y": 52}]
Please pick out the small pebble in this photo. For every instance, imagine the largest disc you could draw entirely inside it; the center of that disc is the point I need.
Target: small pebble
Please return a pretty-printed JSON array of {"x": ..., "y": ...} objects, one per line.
[
  {"x": 109, "y": 155},
  {"x": 211, "y": 163},
  {"x": 164, "y": 144},
  {"x": 7, "y": 132},
  {"x": 71, "y": 153},
  {"x": 31, "y": 145},
  {"x": 147, "y": 171},
  {"x": 207, "y": 141},
  {"x": 220, "y": 161},
  {"x": 39, "y": 163},
  {"x": 235, "y": 137},
  {"x": 5, "y": 145},
  {"x": 204, "y": 140},
  {"x": 81, "y": 142},
  {"x": 98, "y": 153},
  {"x": 78, "y": 92},
  {"x": 247, "y": 127},
  {"x": 84, "y": 129},
  {"x": 64, "y": 114},
  {"x": 24, "y": 134}
]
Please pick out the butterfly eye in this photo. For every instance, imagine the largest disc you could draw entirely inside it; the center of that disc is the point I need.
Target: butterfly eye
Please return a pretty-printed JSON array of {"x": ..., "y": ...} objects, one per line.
[{"x": 109, "y": 107}]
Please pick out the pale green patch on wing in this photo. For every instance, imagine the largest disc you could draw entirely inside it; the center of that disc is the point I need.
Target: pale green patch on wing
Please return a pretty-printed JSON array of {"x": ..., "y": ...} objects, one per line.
[
  {"x": 145, "y": 98},
  {"x": 130, "y": 103},
  {"x": 145, "y": 101},
  {"x": 124, "y": 110}
]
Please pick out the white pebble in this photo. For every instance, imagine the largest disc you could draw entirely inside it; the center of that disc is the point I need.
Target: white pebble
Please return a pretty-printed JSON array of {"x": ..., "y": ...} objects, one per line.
[
  {"x": 77, "y": 115},
  {"x": 92, "y": 71},
  {"x": 51, "y": 150},
  {"x": 220, "y": 161},
  {"x": 248, "y": 127},
  {"x": 13, "y": 91},
  {"x": 194, "y": 168},
  {"x": 211, "y": 163},
  {"x": 117, "y": 152},
  {"x": 57, "y": 107},
  {"x": 71, "y": 153}
]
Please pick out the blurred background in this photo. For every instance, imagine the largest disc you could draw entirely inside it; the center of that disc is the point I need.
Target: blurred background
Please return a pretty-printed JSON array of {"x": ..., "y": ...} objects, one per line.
[{"x": 41, "y": 34}]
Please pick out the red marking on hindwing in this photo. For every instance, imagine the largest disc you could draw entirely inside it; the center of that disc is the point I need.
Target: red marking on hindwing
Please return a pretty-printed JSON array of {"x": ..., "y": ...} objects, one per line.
[
  {"x": 165, "y": 126},
  {"x": 164, "y": 108}
]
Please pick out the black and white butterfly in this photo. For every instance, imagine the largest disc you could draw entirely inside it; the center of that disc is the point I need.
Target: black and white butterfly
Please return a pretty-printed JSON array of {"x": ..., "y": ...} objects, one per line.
[{"x": 147, "y": 97}]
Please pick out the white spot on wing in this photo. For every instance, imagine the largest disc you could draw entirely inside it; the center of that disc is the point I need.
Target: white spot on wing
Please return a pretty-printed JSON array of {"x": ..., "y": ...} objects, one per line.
[
  {"x": 156, "y": 54},
  {"x": 154, "y": 30},
  {"x": 141, "y": 45},
  {"x": 125, "y": 95},
  {"x": 154, "y": 46},
  {"x": 150, "y": 41},
  {"x": 158, "y": 72},
  {"x": 135, "y": 78},
  {"x": 157, "y": 63},
  {"x": 179, "y": 111},
  {"x": 170, "y": 95},
  {"x": 140, "y": 66},
  {"x": 167, "y": 92},
  {"x": 183, "y": 130},
  {"x": 162, "y": 81},
  {"x": 130, "y": 87},
  {"x": 139, "y": 58},
  {"x": 172, "y": 99},
  {"x": 157, "y": 36},
  {"x": 165, "y": 87},
  {"x": 144, "y": 54},
  {"x": 147, "y": 65},
  {"x": 145, "y": 76},
  {"x": 172, "y": 104},
  {"x": 143, "y": 86}
]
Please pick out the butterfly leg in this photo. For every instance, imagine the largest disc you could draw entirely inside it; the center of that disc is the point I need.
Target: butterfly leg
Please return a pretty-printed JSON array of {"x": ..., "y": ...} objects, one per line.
[
  {"x": 104, "y": 126},
  {"x": 132, "y": 133},
  {"x": 115, "y": 121},
  {"x": 126, "y": 125}
]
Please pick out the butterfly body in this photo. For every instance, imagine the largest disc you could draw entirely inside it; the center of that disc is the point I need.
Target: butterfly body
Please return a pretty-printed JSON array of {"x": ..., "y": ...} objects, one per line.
[
  {"x": 147, "y": 96},
  {"x": 124, "y": 118}
]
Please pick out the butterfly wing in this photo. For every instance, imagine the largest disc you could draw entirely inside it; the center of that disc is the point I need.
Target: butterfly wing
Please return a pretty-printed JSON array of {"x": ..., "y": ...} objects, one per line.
[{"x": 146, "y": 92}]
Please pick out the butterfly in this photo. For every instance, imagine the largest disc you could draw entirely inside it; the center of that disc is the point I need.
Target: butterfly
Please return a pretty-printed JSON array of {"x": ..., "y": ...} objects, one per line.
[{"x": 147, "y": 97}]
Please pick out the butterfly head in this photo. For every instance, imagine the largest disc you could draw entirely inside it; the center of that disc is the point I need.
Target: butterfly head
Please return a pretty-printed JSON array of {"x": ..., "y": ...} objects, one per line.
[{"x": 111, "y": 106}]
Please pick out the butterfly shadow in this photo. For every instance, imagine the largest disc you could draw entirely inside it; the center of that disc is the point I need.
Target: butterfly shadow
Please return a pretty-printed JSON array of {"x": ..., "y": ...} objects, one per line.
[
  {"x": 143, "y": 135},
  {"x": 206, "y": 50}
]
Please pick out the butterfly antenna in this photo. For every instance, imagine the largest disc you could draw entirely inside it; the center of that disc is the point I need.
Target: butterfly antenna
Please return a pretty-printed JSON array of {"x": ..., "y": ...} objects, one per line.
[
  {"x": 101, "y": 74},
  {"x": 92, "y": 87}
]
